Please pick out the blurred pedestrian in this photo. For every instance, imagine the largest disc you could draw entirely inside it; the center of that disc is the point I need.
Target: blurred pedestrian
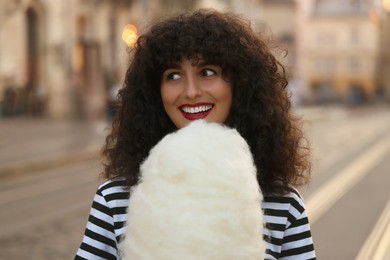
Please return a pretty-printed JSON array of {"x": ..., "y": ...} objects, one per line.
[
  {"x": 212, "y": 66},
  {"x": 8, "y": 103}
]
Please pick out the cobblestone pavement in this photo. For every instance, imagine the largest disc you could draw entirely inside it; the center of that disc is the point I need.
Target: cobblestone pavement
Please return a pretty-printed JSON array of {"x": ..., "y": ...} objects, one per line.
[{"x": 57, "y": 239}]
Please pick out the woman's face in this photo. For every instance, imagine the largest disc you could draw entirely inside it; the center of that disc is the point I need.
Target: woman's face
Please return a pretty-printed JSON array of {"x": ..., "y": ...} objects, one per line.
[{"x": 195, "y": 91}]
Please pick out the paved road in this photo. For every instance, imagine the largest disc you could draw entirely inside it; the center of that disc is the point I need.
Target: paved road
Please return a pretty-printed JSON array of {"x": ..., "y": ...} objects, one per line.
[
  {"x": 350, "y": 186},
  {"x": 43, "y": 213},
  {"x": 341, "y": 231}
]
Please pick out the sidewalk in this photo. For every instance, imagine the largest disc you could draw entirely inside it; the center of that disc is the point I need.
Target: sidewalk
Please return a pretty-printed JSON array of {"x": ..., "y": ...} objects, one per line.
[{"x": 30, "y": 144}]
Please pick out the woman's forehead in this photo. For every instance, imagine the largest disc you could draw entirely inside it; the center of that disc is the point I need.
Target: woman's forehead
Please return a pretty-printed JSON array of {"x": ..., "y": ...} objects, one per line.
[{"x": 195, "y": 59}]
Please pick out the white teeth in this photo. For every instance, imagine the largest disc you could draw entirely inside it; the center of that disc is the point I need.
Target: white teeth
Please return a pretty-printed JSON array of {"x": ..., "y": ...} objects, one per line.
[{"x": 194, "y": 110}]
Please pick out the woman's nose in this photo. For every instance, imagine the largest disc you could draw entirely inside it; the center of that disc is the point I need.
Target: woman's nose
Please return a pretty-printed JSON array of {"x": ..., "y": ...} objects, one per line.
[{"x": 193, "y": 88}]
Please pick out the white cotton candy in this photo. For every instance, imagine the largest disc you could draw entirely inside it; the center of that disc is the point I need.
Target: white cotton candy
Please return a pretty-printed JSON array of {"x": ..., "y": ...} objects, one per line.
[{"x": 198, "y": 198}]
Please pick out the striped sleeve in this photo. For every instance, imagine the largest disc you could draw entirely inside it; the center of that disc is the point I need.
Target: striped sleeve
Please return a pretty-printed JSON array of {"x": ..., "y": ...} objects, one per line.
[
  {"x": 100, "y": 237},
  {"x": 287, "y": 231}
]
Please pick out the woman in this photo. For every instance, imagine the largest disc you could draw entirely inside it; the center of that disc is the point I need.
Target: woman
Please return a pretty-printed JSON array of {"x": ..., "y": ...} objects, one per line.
[{"x": 212, "y": 66}]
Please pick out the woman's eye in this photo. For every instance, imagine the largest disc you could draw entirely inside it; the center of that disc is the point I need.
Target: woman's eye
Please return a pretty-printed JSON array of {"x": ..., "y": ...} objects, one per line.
[
  {"x": 208, "y": 72},
  {"x": 173, "y": 76}
]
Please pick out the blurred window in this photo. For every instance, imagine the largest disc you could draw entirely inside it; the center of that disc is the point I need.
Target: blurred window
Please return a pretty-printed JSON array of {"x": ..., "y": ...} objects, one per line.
[
  {"x": 326, "y": 65},
  {"x": 326, "y": 38},
  {"x": 354, "y": 36},
  {"x": 354, "y": 65}
]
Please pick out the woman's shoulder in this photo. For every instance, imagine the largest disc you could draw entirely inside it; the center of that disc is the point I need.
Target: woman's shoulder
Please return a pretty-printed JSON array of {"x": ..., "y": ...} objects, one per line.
[
  {"x": 290, "y": 197},
  {"x": 289, "y": 203},
  {"x": 114, "y": 189}
]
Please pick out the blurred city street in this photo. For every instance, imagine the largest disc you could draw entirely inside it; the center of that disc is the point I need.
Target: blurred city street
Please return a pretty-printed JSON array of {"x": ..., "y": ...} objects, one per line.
[
  {"x": 30, "y": 143},
  {"x": 62, "y": 65},
  {"x": 50, "y": 171}
]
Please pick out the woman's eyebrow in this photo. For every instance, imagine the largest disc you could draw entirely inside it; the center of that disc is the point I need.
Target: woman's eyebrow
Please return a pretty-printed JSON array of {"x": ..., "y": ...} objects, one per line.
[{"x": 174, "y": 67}]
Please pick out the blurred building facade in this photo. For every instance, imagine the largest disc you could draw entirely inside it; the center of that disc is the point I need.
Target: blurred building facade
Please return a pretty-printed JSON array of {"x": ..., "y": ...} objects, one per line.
[
  {"x": 343, "y": 46},
  {"x": 63, "y": 58},
  {"x": 345, "y": 51},
  {"x": 58, "y": 57},
  {"x": 384, "y": 59}
]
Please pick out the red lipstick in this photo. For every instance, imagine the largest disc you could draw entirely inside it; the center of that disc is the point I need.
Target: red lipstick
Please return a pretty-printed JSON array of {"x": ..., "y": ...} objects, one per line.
[{"x": 196, "y": 111}]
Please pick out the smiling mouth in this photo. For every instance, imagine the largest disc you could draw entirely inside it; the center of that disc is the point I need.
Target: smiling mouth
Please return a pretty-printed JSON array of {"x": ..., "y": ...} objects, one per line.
[{"x": 194, "y": 112}]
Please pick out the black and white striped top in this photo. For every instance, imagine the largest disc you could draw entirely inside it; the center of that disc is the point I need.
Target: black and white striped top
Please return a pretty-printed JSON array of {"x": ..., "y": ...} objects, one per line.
[{"x": 287, "y": 233}]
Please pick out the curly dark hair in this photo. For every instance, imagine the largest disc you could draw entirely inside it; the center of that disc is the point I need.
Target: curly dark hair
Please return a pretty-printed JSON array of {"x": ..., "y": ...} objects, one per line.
[{"x": 261, "y": 109}]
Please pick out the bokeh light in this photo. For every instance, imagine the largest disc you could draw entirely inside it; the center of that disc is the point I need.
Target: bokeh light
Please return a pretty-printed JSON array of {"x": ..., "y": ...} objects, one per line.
[
  {"x": 386, "y": 5},
  {"x": 129, "y": 35}
]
